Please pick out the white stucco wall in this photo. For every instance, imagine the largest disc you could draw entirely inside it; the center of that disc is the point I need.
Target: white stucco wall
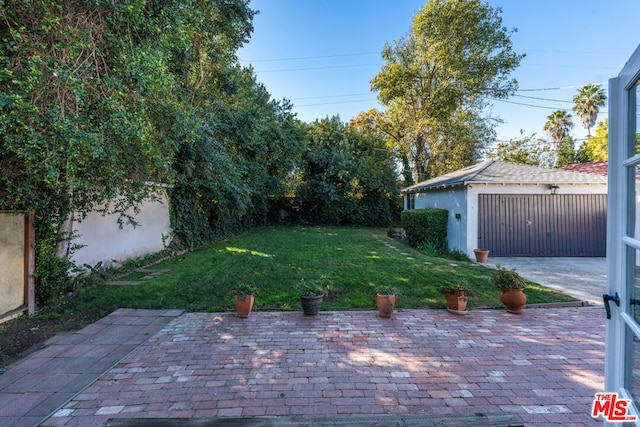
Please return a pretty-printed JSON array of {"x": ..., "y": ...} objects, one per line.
[
  {"x": 455, "y": 201},
  {"x": 105, "y": 241},
  {"x": 462, "y": 234}
]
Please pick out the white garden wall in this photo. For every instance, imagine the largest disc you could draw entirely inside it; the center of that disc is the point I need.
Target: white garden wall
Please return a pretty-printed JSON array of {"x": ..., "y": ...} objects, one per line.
[{"x": 105, "y": 241}]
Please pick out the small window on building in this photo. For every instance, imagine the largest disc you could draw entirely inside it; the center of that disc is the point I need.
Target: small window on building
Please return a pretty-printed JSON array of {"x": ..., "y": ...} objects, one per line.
[{"x": 411, "y": 202}]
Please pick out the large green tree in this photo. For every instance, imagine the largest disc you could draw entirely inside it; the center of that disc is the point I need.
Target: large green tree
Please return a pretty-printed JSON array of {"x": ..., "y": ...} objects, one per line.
[
  {"x": 375, "y": 187},
  {"x": 566, "y": 155},
  {"x": 595, "y": 149},
  {"x": 97, "y": 98},
  {"x": 327, "y": 174},
  {"x": 346, "y": 175},
  {"x": 436, "y": 82},
  {"x": 587, "y": 103},
  {"x": 527, "y": 150}
]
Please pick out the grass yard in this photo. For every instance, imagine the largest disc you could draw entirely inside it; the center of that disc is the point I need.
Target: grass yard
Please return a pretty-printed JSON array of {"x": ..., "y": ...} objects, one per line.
[{"x": 358, "y": 260}]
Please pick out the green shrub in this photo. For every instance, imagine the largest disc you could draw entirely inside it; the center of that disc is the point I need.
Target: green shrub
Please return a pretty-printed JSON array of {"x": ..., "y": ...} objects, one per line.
[
  {"x": 441, "y": 250},
  {"x": 244, "y": 290},
  {"x": 508, "y": 279},
  {"x": 386, "y": 290},
  {"x": 426, "y": 226},
  {"x": 455, "y": 287},
  {"x": 314, "y": 287}
]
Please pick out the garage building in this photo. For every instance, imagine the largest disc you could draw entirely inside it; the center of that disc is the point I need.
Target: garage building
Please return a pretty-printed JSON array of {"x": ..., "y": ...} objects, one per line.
[{"x": 519, "y": 210}]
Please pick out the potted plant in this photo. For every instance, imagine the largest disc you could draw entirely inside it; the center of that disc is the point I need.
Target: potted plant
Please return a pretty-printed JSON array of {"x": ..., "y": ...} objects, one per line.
[
  {"x": 457, "y": 294},
  {"x": 386, "y": 301},
  {"x": 244, "y": 295},
  {"x": 482, "y": 254},
  {"x": 311, "y": 294},
  {"x": 511, "y": 286}
]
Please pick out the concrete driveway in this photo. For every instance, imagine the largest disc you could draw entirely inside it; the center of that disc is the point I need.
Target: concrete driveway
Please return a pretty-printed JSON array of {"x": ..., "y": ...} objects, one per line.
[{"x": 582, "y": 278}]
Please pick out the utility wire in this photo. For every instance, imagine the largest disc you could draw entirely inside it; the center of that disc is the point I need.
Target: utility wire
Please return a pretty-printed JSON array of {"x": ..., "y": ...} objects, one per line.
[
  {"x": 555, "y": 88},
  {"x": 337, "y": 102},
  {"x": 316, "y": 68},
  {"x": 338, "y": 55},
  {"x": 300, "y": 58},
  {"x": 333, "y": 96},
  {"x": 543, "y": 99}
]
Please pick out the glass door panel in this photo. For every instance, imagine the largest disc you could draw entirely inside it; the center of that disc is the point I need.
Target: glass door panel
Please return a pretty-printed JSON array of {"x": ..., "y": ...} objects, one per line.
[
  {"x": 634, "y": 103},
  {"x": 630, "y": 357},
  {"x": 635, "y": 372},
  {"x": 622, "y": 349}
]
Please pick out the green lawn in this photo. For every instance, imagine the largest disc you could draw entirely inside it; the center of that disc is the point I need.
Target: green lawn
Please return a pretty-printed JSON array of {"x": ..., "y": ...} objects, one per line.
[{"x": 275, "y": 259}]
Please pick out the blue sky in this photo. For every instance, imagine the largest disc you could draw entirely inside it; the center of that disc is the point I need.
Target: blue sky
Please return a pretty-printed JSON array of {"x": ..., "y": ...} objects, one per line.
[{"x": 322, "y": 54}]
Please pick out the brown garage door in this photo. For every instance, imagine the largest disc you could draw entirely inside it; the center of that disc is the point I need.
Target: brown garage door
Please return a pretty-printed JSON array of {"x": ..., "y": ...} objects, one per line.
[{"x": 543, "y": 225}]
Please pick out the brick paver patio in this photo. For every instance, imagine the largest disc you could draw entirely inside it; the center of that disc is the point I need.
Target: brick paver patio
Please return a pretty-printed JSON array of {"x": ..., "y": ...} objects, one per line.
[{"x": 543, "y": 367}]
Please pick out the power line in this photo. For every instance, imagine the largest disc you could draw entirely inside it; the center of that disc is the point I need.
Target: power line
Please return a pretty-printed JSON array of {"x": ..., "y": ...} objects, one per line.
[
  {"x": 339, "y": 55},
  {"x": 539, "y": 106},
  {"x": 333, "y": 96},
  {"x": 527, "y": 105},
  {"x": 337, "y": 102},
  {"x": 316, "y": 68},
  {"x": 543, "y": 99},
  {"x": 373, "y": 99},
  {"x": 312, "y": 57},
  {"x": 555, "y": 88}
]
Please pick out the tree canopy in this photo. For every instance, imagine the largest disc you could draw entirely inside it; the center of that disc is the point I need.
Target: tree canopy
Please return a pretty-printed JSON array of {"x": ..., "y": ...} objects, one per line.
[
  {"x": 346, "y": 175},
  {"x": 595, "y": 149},
  {"x": 557, "y": 127},
  {"x": 587, "y": 103},
  {"x": 436, "y": 82},
  {"x": 527, "y": 150},
  {"x": 99, "y": 99}
]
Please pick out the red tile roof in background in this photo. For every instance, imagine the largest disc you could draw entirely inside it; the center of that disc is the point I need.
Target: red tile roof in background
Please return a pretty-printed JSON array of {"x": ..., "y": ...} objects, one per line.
[{"x": 598, "y": 168}]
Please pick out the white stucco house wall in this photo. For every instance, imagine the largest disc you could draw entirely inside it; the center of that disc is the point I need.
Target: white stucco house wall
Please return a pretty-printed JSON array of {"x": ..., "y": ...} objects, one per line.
[{"x": 518, "y": 210}]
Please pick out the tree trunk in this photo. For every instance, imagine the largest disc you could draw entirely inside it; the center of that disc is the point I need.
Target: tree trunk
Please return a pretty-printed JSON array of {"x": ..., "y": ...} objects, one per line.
[{"x": 65, "y": 231}]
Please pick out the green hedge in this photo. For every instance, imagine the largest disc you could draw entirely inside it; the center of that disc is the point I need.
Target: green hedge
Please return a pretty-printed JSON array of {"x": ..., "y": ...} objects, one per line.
[{"x": 426, "y": 226}]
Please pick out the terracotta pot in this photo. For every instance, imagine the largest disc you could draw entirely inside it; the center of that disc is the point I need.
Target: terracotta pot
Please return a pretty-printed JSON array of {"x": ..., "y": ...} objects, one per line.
[
  {"x": 481, "y": 254},
  {"x": 457, "y": 303},
  {"x": 244, "y": 305},
  {"x": 311, "y": 305},
  {"x": 514, "y": 300},
  {"x": 386, "y": 304}
]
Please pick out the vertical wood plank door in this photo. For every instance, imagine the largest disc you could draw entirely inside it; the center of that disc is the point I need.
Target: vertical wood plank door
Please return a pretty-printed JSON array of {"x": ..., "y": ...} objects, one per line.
[{"x": 562, "y": 225}]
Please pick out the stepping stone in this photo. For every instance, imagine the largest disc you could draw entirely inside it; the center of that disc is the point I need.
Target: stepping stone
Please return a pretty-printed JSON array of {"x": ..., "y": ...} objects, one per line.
[
  {"x": 123, "y": 282},
  {"x": 427, "y": 263},
  {"x": 152, "y": 270},
  {"x": 453, "y": 264},
  {"x": 409, "y": 258}
]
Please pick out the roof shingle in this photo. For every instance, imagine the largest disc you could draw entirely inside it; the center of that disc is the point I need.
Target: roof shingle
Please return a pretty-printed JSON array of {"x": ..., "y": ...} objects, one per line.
[
  {"x": 599, "y": 168},
  {"x": 495, "y": 172}
]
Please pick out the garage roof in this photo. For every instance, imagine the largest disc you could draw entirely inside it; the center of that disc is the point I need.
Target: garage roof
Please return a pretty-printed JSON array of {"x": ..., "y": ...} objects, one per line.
[
  {"x": 495, "y": 172},
  {"x": 600, "y": 168}
]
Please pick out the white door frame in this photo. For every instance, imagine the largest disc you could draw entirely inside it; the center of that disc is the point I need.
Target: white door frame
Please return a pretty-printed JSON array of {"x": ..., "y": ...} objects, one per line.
[{"x": 621, "y": 326}]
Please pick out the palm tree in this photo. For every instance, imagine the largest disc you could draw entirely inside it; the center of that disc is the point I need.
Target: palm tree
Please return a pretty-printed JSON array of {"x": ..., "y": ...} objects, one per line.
[
  {"x": 558, "y": 125},
  {"x": 587, "y": 103}
]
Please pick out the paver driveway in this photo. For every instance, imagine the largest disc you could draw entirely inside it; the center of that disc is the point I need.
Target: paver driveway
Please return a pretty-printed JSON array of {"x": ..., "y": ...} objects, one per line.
[{"x": 543, "y": 366}]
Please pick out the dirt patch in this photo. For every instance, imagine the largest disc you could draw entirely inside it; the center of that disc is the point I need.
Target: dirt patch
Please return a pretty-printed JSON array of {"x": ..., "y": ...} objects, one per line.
[{"x": 22, "y": 336}]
